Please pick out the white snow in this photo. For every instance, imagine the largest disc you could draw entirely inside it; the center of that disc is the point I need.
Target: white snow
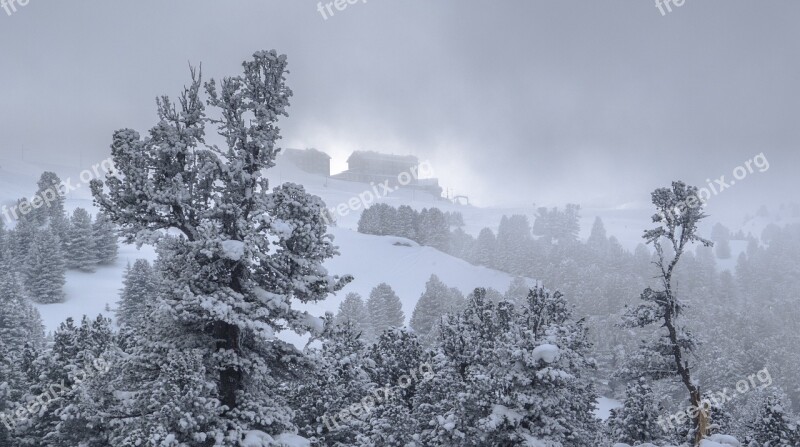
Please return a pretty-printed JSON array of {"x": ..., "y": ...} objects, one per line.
[
  {"x": 604, "y": 407},
  {"x": 282, "y": 229},
  {"x": 91, "y": 293},
  {"x": 723, "y": 440},
  {"x": 291, "y": 440},
  {"x": 233, "y": 250},
  {"x": 501, "y": 413},
  {"x": 547, "y": 353}
]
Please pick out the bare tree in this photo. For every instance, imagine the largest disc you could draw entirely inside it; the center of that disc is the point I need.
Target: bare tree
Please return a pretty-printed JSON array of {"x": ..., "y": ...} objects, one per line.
[{"x": 679, "y": 209}]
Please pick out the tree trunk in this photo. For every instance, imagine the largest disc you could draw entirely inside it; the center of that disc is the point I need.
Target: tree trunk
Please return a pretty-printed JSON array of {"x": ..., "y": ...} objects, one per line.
[{"x": 230, "y": 377}]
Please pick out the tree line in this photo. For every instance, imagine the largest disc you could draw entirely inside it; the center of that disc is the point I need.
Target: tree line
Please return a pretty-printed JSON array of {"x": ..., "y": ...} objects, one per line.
[{"x": 44, "y": 243}]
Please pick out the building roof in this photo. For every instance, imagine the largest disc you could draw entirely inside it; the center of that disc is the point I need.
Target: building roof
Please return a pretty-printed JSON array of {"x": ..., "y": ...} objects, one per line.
[{"x": 377, "y": 156}]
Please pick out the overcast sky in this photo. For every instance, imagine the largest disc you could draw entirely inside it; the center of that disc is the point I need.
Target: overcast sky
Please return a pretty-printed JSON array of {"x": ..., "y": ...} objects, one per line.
[{"x": 596, "y": 102}]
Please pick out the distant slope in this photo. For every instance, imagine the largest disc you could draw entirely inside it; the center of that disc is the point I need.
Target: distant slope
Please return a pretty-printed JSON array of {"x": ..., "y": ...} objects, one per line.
[
  {"x": 376, "y": 259},
  {"x": 371, "y": 259}
]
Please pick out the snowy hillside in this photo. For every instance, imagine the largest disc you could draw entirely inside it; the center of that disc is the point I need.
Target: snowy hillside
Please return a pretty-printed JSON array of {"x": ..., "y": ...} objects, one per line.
[{"x": 402, "y": 264}]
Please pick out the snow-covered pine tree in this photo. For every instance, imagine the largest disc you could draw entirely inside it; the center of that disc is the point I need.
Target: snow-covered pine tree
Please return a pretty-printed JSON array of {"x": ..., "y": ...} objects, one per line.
[
  {"x": 773, "y": 426},
  {"x": 433, "y": 229},
  {"x": 105, "y": 238},
  {"x": 352, "y": 310},
  {"x": 338, "y": 383},
  {"x": 492, "y": 295},
  {"x": 461, "y": 244},
  {"x": 139, "y": 289},
  {"x": 379, "y": 219},
  {"x": 50, "y": 191},
  {"x": 399, "y": 367},
  {"x": 82, "y": 251},
  {"x": 52, "y": 213},
  {"x": 559, "y": 226},
  {"x": 66, "y": 373},
  {"x": 430, "y": 308},
  {"x": 678, "y": 212},
  {"x": 598, "y": 239},
  {"x": 397, "y": 352},
  {"x": 720, "y": 417},
  {"x": 171, "y": 388},
  {"x": 637, "y": 421},
  {"x": 506, "y": 377},
  {"x": 387, "y": 219},
  {"x": 368, "y": 221},
  {"x": 514, "y": 243},
  {"x": 245, "y": 254},
  {"x": 485, "y": 249},
  {"x": 44, "y": 270},
  {"x": 407, "y": 222},
  {"x": 457, "y": 302},
  {"x": 21, "y": 238},
  {"x": 384, "y": 309},
  {"x": 20, "y": 326}
]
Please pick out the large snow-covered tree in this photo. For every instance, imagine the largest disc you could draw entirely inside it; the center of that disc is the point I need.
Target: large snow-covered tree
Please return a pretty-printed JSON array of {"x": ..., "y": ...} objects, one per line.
[{"x": 245, "y": 254}]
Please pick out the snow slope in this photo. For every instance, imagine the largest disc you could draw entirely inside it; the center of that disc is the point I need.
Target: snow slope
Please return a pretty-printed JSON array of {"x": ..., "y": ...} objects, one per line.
[{"x": 370, "y": 259}]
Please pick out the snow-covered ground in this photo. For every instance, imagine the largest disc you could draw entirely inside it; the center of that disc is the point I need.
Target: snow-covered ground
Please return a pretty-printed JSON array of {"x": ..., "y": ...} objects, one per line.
[
  {"x": 91, "y": 294},
  {"x": 604, "y": 407}
]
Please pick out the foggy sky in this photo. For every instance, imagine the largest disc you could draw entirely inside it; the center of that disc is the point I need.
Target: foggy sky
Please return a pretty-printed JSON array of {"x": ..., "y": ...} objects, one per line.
[{"x": 513, "y": 102}]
